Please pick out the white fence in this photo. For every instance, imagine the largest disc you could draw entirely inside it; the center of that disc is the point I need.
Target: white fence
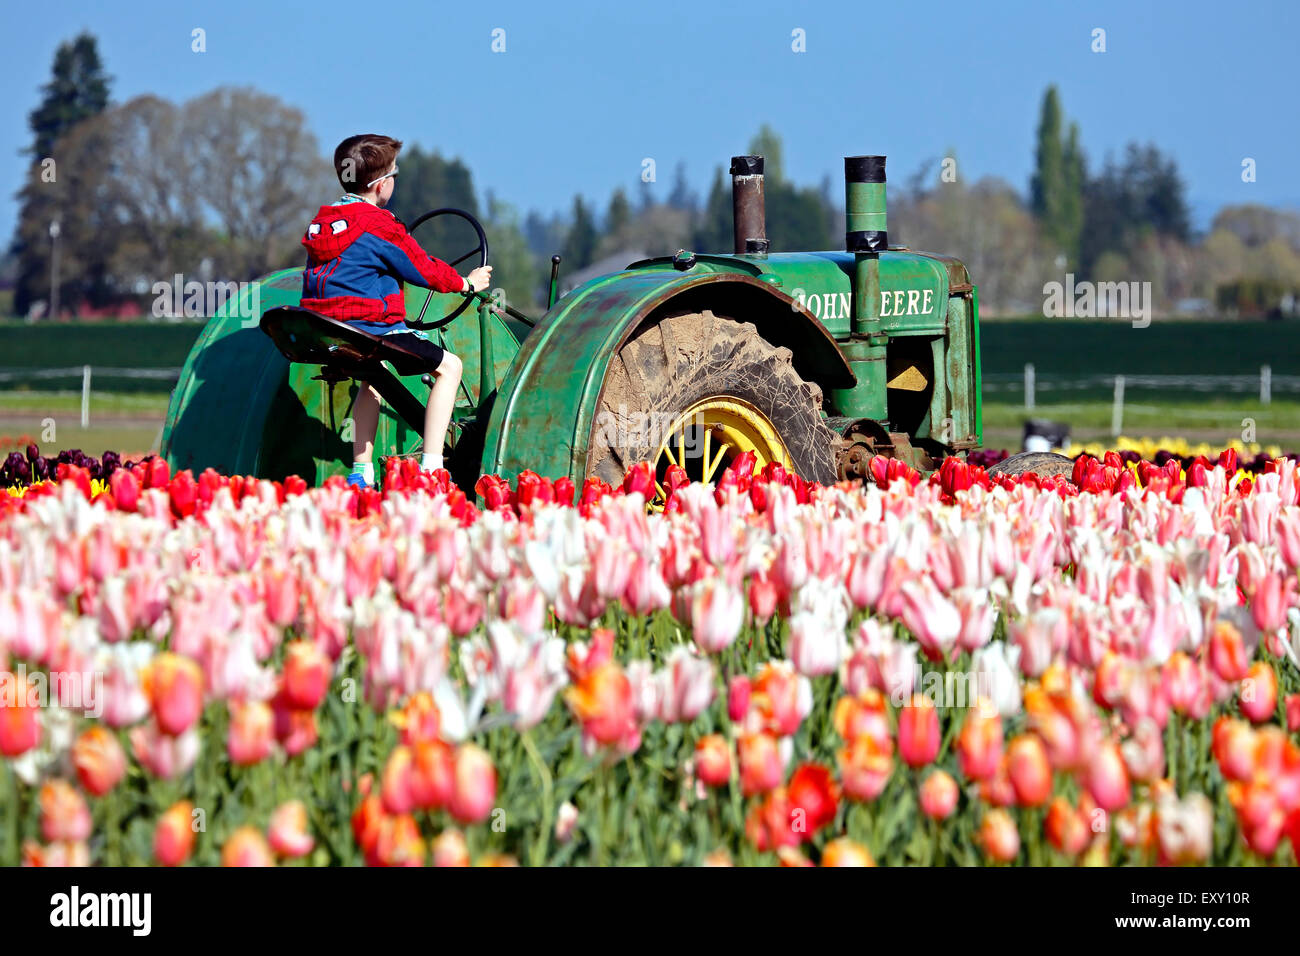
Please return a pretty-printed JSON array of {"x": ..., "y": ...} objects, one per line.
[
  {"x": 86, "y": 373},
  {"x": 1265, "y": 384}
]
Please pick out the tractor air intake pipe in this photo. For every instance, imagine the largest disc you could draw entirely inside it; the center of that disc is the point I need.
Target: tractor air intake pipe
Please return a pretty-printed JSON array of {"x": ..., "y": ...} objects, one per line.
[
  {"x": 866, "y": 236},
  {"x": 748, "y": 211}
]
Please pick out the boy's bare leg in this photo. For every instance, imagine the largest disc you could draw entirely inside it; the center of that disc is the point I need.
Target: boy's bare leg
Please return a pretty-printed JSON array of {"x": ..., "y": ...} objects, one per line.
[
  {"x": 442, "y": 399},
  {"x": 365, "y": 423}
]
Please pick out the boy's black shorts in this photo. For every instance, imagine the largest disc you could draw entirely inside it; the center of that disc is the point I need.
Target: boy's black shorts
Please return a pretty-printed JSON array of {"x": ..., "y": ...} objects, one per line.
[{"x": 429, "y": 352}]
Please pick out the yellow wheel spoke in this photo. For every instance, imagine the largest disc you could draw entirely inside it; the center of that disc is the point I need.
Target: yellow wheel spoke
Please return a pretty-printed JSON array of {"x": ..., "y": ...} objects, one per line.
[{"x": 712, "y": 469}]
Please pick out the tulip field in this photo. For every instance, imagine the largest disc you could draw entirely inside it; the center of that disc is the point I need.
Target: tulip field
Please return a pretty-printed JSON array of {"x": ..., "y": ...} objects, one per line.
[{"x": 959, "y": 669}]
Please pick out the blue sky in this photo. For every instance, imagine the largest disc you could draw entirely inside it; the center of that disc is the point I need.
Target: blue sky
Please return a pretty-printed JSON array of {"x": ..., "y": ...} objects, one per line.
[{"x": 585, "y": 91}]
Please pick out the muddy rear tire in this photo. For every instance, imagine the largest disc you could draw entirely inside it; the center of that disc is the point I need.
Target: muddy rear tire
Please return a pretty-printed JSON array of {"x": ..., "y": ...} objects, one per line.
[
  {"x": 671, "y": 365},
  {"x": 1041, "y": 463}
]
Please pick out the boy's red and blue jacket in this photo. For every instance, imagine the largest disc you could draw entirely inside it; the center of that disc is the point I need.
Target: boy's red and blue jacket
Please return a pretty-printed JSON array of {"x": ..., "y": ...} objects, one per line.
[{"x": 358, "y": 256}]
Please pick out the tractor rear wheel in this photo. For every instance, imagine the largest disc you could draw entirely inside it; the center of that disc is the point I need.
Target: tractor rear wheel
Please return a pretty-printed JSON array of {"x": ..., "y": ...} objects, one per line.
[{"x": 697, "y": 390}]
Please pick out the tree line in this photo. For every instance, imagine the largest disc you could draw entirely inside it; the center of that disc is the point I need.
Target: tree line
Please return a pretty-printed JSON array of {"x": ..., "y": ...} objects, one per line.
[{"x": 219, "y": 187}]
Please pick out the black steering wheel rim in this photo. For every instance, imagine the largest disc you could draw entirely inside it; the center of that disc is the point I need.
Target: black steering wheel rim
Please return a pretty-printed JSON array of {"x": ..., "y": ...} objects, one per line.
[{"x": 481, "y": 249}]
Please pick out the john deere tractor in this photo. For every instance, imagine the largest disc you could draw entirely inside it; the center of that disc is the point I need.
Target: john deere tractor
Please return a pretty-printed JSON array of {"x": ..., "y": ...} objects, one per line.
[{"x": 817, "y": 360}]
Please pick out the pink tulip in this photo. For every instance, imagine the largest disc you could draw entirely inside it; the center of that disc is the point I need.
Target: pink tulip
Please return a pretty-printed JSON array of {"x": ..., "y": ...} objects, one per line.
[
  {"x": 474, "y": 788},
  {"x": 929, "y": 615},
  {"x": 715, "y": 614},
  {"x": 288, "y": 831},
  {"x": 685, "y": 687},
  {"x": 1107, "y": 778}
]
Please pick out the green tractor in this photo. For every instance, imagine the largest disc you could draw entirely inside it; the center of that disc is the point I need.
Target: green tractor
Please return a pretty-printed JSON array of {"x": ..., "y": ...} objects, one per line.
[{"x": 816, "y": 360}]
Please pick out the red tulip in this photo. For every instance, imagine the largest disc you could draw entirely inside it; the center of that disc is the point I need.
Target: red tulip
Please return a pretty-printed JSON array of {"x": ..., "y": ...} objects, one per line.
[
  {"x": 918, "y": 732},
  {"x": 306, "y": 674},
  {"x": 814, "y": 799},
  {"x": 713, "y": 760},
  {"x": 173, "y": 837},
  {"x": 20, "y": 725}
]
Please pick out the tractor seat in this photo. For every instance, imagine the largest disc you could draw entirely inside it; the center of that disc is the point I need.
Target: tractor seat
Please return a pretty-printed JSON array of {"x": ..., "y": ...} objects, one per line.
[{"x": 309, "y": 338}]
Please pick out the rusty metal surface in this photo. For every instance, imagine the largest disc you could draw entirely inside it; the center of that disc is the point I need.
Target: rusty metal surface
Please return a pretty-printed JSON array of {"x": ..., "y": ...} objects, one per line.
[{"x": 544, "y": 413}]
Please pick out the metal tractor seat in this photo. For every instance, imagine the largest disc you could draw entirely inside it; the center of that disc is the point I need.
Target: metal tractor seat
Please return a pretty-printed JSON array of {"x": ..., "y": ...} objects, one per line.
[{"x": 344, "y": 352}]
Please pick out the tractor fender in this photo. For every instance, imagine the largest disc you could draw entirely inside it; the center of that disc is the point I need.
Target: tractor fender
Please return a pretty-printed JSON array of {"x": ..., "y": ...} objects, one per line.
[{"x": 543, "y": 412}]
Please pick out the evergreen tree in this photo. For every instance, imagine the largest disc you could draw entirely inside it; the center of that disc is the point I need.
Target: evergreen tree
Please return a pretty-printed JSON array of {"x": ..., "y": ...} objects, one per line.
[
  {"x": 580, "y": 245},
  {"x": 681, "y": 197},
  {"x": 1074, "y": 176},
  {"x": 1056, "y": 189},
  {"x": 77, "y": 90},
  {"x": 619, "y": 213},
  {"x": 713, "y": 232}
]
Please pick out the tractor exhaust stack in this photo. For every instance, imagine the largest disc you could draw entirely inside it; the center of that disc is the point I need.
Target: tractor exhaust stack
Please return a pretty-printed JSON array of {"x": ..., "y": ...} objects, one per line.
[
  {"x": 866, "y": 234},
  {"x": 748, "y": 208}
]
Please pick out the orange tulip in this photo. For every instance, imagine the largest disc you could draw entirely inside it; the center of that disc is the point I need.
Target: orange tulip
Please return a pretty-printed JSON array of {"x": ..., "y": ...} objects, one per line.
[
  {"x": 1227, "y": 652},
  {"x": 865, "y": 765},
  {"x": 99, "y": 759},
  {"x": 865, "y": 714},
  {"x": 761, "y": 765},
  {"x": 251, "y": 732},
  {"x": 397, "y": 843},
  {"x": 979, "y": 745},
  {"x": 999, "y": 836},
  {"x": 1066, "y": 828},
  {"x": 846, "y": 852},
  {"x": 602, "y": 701},
  {"x": 939, "y": 795},
  {"x": 64, "y": 814},
  {"x": 173, "y": 837},
  {"x": 418, "y": 719},
  {"x": 450, "y": 849},
  {"x": 246, "y": 847},
  {"x": 1258, "y": 695},
  {"x": 1029, "y": 770},
  {"x": 173, "y": 685}
]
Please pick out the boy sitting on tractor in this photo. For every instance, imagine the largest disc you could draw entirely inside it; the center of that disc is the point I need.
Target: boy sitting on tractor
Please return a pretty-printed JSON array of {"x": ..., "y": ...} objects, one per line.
[{"x": 358, "y": 256}]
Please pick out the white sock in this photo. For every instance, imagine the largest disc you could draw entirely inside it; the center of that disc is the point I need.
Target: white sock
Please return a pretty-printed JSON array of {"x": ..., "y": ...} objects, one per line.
[
  {"x": 365, "y": 469},
  {"x": 430, "y": 462}
]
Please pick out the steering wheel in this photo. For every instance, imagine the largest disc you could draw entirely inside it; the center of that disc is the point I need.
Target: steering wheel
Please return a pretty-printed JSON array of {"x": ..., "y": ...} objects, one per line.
[{"x": 481, "y": 250}]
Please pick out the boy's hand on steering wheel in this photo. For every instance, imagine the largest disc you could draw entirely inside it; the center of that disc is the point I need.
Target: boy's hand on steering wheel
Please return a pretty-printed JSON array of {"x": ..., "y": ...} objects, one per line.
[{"x": 479, "y": 279}]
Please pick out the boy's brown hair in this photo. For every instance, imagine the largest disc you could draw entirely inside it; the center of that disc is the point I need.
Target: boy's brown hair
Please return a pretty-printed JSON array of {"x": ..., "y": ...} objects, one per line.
[{"x": 363, "y": 159}]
